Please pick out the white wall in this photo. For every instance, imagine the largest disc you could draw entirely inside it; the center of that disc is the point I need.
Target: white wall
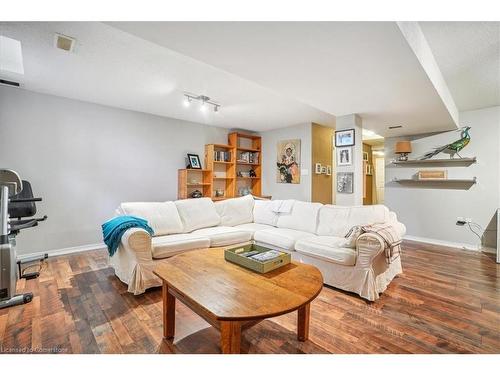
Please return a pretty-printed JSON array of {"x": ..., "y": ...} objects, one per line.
[
  {"x": 270, "y": 140},
  {"x": 352, "y": 121},
  {"x": 84, "y": 159},
  {"x": 432, "y": 213}
]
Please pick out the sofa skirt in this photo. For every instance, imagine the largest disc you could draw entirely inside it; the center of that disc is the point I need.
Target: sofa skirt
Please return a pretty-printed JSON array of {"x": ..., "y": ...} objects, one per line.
[{"x": 368, "y": 282}]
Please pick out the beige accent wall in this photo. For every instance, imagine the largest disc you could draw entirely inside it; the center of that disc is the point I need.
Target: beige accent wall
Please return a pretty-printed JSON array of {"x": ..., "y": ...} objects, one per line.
[{"x": 322, "y": 152}]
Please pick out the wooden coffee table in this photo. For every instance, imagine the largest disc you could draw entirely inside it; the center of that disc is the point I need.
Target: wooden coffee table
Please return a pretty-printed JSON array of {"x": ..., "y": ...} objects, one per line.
[{"x": 232, "y": 298}]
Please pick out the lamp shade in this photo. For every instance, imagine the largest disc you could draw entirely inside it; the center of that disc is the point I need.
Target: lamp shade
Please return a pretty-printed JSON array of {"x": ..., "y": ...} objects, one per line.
[{"x": 403, "y": 147}]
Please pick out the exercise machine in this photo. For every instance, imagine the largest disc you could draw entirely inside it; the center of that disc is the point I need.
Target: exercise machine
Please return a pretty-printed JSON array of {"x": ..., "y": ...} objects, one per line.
[{"x": 16, "y": 203}]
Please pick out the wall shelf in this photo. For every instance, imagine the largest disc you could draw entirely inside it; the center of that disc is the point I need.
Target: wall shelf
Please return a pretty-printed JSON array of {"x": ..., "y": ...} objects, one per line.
[
  {"x": 437, "y": 162},
  {"x": 454, "y": 183}
]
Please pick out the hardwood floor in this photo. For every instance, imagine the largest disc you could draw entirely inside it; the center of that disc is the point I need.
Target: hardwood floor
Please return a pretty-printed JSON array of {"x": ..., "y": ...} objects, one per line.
[{"x": 447, "y": 301}]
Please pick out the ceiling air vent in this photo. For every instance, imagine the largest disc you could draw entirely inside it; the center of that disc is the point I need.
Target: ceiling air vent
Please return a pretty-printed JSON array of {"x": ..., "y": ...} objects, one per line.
[
  {"x": 64, "y": 42},
  {"x": 8, "y": 83},
  {"x": 395, "y": 127}
]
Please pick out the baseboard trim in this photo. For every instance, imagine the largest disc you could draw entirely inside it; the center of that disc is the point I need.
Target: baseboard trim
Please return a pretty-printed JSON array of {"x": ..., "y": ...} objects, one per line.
[
  {"x": 65, "y": 251},
  {"x": 463, "y": 246}
]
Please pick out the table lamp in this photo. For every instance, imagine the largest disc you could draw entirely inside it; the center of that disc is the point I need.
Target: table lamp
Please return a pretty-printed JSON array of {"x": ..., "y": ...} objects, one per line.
[{"x": 403, "y": 148}]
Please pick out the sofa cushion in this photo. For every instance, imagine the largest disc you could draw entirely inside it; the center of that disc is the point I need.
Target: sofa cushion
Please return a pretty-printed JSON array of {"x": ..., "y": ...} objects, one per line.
[
  {"x": 303, "y": 217},
  {"x": 253, "y": 227},
  {"x": 165, "y": 246},
  {"x": 224, "y": 236},
  {"x": 328, "y": 248},
  {"x": 338, "y": 220},
  {"x": 281, "y": 238},
  {"x": 262, "y": 213},
  {"x": 235, "y": 211},
  {"x": 161, "y": 216},
  {"x": 197, "y": 213}
]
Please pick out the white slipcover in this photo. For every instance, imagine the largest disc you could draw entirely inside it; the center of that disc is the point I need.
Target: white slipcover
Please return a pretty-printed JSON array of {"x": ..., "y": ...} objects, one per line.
[
  {"x": 330, "y": 249},
  {"x": 303, "y": 217},
  {"x": 161, "y": 216},
  {"x": 362, "y": 270},
  {"x": 224, "y": 236},
  {"x": 338, "y": 220},
  {"x": 235, "y": 211},
  {"x": 197, "y": 213},
  {"x": 280, "y": 238},
  {"x": 263, "y": 214},
  {"x": 253, "y": 227},
  {"x": 166, "y": 246}
]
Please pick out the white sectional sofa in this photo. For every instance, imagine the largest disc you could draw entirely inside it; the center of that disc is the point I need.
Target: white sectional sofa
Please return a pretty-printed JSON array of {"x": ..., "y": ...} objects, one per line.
[{"x": 313, "y": 233}]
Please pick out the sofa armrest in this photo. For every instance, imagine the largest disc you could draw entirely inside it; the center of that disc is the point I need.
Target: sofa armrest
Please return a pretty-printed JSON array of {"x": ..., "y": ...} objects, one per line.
[
  {"x": 368, "y": 246},
  {"x": 139, "y": 242},
  {"x": 393, "y": 220}
]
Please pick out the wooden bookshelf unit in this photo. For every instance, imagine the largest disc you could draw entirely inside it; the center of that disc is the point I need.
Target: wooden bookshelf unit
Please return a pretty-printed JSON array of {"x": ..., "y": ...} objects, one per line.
[
  {"x": 248, "y": 151},
  {"x": 220, "y": 159},
  {"x": 230, "y": 166},
  {"x": 190, "y": 180}
]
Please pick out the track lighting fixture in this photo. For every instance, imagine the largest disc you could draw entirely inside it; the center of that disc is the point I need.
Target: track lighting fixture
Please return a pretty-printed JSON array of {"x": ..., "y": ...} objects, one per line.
[{"x": 204, "y": 102}]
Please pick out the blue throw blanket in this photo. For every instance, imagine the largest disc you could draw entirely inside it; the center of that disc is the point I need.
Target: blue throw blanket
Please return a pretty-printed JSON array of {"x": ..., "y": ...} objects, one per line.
[{"x": 112, "y": 230}]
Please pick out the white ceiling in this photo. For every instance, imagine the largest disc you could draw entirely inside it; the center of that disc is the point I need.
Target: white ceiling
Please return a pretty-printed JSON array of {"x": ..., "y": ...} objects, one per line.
[
  {"x": 115, "y": 68},
  {"x": 265, "y": 74},
  {"x": 468, "y": 55},
  {"x": 339, "y": 67}
]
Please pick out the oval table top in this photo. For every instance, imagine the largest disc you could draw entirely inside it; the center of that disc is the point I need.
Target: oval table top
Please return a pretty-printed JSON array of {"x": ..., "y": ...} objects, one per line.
[{"x": 227, "y": 291}]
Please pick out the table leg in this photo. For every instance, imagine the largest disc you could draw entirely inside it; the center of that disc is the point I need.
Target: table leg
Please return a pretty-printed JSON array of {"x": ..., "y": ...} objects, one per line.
[
  {"x": 303, "y": 322},
  {"x": 230, "y": 337},
  {"x": 168, "y": 313}
]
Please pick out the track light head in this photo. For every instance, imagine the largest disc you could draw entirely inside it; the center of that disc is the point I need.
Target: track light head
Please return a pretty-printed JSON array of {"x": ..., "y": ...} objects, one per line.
[{"x": 204, "y": 101}]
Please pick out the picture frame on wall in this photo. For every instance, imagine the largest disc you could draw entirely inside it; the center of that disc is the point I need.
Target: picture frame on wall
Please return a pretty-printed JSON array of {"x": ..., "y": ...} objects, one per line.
[
  {"x": 365, "y": 156},
  {"x": 323, "y": 169},
  {"x": 317, "y": 168},
  {"x": 344, "y": 138},
  {"x": 194, "y": 161},
  {"x": 288, "y": 161},
  {"x": 344, "y": 156},
  {"x": 345, "y": 182},
  {"x": 328, "y": 170}
]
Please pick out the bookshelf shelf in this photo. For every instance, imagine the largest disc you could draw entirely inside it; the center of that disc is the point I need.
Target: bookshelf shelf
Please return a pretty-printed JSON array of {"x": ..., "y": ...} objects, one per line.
[
  {"x": 186, "y": 184},
  {"x": 246, "y": 163}
]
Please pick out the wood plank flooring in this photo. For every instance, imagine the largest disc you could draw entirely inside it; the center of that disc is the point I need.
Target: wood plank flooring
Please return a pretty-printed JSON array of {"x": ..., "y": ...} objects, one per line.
[{"x": 447, "y": 301}]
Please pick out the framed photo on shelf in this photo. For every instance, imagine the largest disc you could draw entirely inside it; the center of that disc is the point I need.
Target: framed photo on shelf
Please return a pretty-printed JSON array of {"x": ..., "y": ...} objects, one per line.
[
  {"x": 344, "y": 138},
  {"x": 194, "y": 161},
  {"x": 344, "y": 156}
]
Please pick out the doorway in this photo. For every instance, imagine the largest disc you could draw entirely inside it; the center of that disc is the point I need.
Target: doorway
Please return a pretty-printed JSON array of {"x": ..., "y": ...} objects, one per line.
[{"x": 373, "y": 168}]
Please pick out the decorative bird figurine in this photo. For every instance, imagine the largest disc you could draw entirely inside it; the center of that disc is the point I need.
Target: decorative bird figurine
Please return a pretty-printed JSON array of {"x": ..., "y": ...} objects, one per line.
[{"x": 451, "y": 148}]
